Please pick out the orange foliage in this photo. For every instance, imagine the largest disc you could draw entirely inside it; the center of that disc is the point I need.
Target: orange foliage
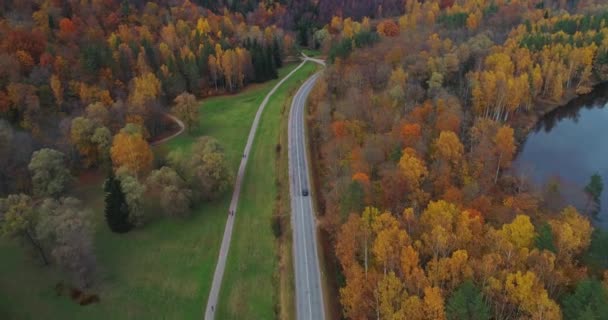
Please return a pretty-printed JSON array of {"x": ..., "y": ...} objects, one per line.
[
  {"x": 388, "y": 28},
  {"x": 67, "y": 29},
  {"x": 361, "y": 178},
  {"x": 410, "y": 133},
  {"x": 339, "y": 129}
]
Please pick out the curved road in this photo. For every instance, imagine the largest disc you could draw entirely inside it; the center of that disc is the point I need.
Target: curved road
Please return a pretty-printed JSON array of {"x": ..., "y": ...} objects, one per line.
[
  {"x": 309, "y": 291},
  {"x": 221, "y": 261}
]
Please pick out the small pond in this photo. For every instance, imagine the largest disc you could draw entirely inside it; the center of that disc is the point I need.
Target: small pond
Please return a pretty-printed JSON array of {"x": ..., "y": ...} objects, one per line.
[{"x": 569, "y": 145}]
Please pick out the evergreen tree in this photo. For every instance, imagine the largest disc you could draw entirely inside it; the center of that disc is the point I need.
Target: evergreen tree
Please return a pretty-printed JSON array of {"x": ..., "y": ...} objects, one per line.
[
  {"x": 544, "y": 239},
  {"x": 589, "y": 301},
  {"x": 276, "y": 52},
  {"x": 117, "y": 210},
  {"x": 467, "y": 302},
  {"x": 594, "y": 192}
]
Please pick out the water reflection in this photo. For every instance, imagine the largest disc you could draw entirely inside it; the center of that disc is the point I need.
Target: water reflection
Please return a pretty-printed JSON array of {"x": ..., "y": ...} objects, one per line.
[{"x": 570, "y": 144}]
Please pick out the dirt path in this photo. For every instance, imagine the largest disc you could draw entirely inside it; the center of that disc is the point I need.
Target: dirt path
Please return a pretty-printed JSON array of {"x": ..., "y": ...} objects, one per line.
[{"x": 181, "y": 130}]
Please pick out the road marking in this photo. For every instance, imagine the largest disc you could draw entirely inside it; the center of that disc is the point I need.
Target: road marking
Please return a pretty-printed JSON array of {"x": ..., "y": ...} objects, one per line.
[{"x": 301, "y": 165}]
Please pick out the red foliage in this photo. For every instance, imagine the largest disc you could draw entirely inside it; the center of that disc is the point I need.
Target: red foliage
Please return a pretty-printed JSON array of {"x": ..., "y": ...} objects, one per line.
[
  {"x": 112, "y": 20},
  {"x": 410, "y": 133},
  {"x": 67, "y": 29},
  {"x": 46, "y": 59},
  {"x": 32, "y": 42},
  {"x": 339, "y": 129},
  {"x": 475, "y": 214},
  {"x": 446, "y": 4}
]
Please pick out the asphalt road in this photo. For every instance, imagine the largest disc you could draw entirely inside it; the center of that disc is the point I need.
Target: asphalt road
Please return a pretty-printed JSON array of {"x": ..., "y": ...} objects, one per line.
[
  {"x": 309, "y": 292},
  {"x": 221, "y": 261}
]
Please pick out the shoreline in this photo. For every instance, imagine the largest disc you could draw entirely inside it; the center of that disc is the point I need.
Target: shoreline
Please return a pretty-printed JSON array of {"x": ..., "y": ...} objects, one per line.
[{"x": 526, "y": 122}]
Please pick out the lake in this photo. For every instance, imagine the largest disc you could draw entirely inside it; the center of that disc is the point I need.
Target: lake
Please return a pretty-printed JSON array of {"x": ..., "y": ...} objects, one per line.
[{"x": 570, "y": 144}]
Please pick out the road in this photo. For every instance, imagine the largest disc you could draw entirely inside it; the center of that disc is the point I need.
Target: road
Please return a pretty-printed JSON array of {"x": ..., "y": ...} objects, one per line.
[
  {"x": 221, "y": 261},
  {"x": 309, "y": 292}
]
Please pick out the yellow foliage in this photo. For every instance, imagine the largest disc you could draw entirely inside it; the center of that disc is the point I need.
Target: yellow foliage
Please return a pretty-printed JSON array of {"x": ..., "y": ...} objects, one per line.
[{"x": 130, "y": 150}]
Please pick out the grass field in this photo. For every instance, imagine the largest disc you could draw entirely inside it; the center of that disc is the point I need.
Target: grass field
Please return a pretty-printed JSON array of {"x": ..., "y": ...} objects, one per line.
[
  {"x": 250, "y": 286},
  {"x": 164, "y": 270}
]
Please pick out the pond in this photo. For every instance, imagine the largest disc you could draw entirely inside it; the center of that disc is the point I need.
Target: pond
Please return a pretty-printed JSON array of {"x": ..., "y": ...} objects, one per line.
[{"x": 569, "y": 145}]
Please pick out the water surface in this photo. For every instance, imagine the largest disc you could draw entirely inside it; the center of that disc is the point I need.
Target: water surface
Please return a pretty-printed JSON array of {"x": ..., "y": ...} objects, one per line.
[{"x": 571, "y": 143}]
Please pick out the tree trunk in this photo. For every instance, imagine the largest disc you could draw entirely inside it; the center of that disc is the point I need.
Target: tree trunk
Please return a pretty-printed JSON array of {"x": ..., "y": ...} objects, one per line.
[
  {"x": 498, "y": 168},
  {"x": 38, "y": 247},
  {"x": 365, "y": 250}
]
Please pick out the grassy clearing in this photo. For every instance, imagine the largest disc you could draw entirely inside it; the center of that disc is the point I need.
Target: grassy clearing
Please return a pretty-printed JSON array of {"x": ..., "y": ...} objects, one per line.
[
  {"x": 251, "y": 282},
  {"x": 311, "y": 52},
  {"x": 286, "y": 272},
  {"x": 162, "y": 271}
]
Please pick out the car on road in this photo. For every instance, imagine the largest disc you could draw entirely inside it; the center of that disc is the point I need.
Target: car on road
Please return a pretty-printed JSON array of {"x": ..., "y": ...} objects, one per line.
[{"x": 305, "y": 192}]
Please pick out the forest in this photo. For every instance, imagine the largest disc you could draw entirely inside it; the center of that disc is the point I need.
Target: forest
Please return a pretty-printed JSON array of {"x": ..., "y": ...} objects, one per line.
[
  {"x": 414, "y": 126},
  {"x": 414, "y": 131},
  {"x": 86, "y": 88}
]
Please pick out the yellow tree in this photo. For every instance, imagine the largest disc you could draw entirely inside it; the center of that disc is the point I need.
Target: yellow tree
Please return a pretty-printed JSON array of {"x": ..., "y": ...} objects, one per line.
[
  {"x": 572, "y": 233},
  {"x": 437, "y": 225},
  {"x": 388, "y": 243},
  {"x": 354, "y": 296},
  {"x": 390, "y": 292},
  {"x": 520, "y": 232},
  {"x": 415, "y": 279},
  {"x": 448, "y": 153},
  {"x": 57, "y": 89},
  {"x": 228, "y": 67},
  {"x": 412, "y": 167},
  {"x": 433, "y": 304},
  {"x": 447, "y": 273},
  {"x": 505, "y": 148},
  {"x": 413, "y": 308},
  {"x": 131, "y": 150},
  {"x": 530, "y": 296},
  {"x": 146, "y": 88}
]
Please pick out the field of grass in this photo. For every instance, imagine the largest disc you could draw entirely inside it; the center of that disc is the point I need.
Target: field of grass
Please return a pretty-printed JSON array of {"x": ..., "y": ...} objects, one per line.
[
  {"x": 251, "y": 281},
  {"x": 311, "y": 52},
  {"x": 164, "y": 270}
]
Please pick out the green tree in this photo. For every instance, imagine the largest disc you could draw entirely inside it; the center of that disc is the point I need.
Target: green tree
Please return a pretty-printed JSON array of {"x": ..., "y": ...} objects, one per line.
[
  {"x": 544, "y": 238},
  {"x": 134, "y": 192},
  {"x": 49, "y": 173},
  {"x": 175, "y": 196},
  {"x": 467, "y": 302},
  {"x": 352, "y": 199},
  {"x": 589, "y": 301},
  {"x": 116, "y": 210},
  {"x": 596, "y": 257},
  {"x": 207, "y": 168},
  {"x": 187, "y": 109},
  {"x": 594, "y": 192},
  {"x": 18, "y": 219}
]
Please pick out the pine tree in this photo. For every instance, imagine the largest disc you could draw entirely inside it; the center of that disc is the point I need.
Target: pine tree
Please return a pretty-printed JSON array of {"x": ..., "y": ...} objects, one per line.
[
  {"x": 117, "y": 210},
  {"x": 276, "y": 51}
]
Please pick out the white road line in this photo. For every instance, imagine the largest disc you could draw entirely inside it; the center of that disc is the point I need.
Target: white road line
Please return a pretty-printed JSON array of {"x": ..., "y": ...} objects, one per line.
[{"x": 299, "y": 218}]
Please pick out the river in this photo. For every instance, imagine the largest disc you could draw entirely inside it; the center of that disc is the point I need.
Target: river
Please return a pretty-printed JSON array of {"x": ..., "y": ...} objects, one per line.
[{"x": 570, "y": 144}]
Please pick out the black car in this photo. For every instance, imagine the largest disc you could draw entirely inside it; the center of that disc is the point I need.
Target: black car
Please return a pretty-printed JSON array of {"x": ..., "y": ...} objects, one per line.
[{"x": 305, "y": 192}]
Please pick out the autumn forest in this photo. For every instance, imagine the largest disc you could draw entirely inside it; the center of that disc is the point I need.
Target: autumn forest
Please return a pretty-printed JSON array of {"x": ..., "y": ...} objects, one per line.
[{"x": 122, "y": 125}]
